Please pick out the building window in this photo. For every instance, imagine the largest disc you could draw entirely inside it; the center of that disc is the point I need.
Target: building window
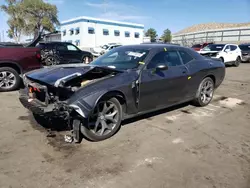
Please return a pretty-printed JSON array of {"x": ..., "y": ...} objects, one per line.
[
  {"x": 105, "y": 32},
  {"x": 137, "y": 35},
  {"x": 77, "y": 42},
  {"x": 91, "y": 30},
  {"x": 127, "y": 34},
  {"x": 71, "y": 31},
  {"x": 116, "y": 32},
  {"x": 64, "y": 32},
  {"x": 77, "y": 31}
]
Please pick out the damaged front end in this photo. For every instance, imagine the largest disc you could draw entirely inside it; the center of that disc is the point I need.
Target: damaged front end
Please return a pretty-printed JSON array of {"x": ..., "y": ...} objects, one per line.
[{"x": 49, "y": 93}]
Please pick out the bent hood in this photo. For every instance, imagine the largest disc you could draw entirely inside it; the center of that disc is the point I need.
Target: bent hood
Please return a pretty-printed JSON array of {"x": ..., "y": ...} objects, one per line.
[{"x": 54, "y": 75}]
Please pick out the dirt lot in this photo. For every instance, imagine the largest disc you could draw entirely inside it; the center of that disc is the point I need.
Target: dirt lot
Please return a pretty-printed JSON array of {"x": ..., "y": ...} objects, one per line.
[{"x": 183, "y": 147}]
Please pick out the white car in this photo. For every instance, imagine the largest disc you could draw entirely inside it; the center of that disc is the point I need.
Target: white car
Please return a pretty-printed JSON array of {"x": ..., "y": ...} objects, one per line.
[
  {"x": 227, "y": 53},
  {"x": 97, "y": 51}
]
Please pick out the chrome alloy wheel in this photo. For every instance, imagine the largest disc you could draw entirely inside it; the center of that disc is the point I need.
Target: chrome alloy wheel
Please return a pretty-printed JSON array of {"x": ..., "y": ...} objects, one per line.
[
  {"x": 7, "y": 79},
  {"x": 207, "y": 90},
  {"x": 104, "y": 119}
]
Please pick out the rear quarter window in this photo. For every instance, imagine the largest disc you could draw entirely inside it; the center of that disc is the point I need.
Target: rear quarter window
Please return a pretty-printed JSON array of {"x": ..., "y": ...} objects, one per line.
[{"x": 186, "y": 57}]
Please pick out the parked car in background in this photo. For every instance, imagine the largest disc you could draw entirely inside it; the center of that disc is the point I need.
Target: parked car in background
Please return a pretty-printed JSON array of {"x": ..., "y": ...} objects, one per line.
[
  {"x": 54, "y": 53},
  {"x": 97, "y": 51},
  {"x": 228, "y": 53},
  {"x": 125, "y": 82},
  {"x": 198, "y": 47},
  {"x": 15, "y": 61},
  {"x": 245, "y": 51}
]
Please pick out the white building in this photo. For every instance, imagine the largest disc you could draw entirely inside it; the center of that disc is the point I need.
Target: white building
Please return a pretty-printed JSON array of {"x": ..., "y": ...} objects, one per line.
[
  {"x": 87, "y": 32},
  {"x": 227, "y": 35}
]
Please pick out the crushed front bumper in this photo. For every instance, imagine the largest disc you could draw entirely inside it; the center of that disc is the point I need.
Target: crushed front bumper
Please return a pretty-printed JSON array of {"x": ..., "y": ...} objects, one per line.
[{"x": 33, "y": 104}]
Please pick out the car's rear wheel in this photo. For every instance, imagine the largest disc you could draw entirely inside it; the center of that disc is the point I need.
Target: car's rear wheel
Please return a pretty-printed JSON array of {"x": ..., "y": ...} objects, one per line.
[
  {"x": 9, "y": 79},
  {"x": 87, "y": 59},
  {"x": 105, "y": 120},
  {"x": 237, "y": 62},
  {"x": 205, "y": 92}
]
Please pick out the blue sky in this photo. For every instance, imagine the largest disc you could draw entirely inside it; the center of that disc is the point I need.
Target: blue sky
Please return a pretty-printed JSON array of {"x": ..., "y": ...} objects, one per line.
[{"x": 159, "y": 14}]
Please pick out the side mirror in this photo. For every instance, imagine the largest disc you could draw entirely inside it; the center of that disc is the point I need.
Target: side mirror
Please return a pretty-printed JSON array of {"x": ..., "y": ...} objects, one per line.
[
  {"x": 161, "y": 67},
  {"x": 227, "y": 50}
]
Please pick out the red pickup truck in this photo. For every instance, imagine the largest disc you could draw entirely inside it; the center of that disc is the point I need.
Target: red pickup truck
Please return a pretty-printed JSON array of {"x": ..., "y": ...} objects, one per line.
[{"x": 14, "y": 61}]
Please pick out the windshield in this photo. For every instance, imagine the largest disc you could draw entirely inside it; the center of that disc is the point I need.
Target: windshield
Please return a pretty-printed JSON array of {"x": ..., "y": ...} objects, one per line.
[
  {"x": 245, "y": 47},
  {"x": 213, "y": 47},
  {"x": 122, "y": 58}
]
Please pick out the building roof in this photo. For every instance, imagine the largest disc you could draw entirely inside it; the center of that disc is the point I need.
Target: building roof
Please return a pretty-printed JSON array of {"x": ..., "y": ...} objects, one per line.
[
  {"x": 101, "y": 21},
  {"x": 212, "y": 26}
]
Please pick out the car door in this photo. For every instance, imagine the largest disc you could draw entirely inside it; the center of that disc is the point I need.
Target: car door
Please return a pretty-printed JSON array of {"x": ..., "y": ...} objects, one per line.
[
  {"x": 234, "y": 52},
  {"x": 227, "y": 54},
  {"x": 163, "y": 87},
  {"x": 70, "y": 53},
  {"x": 61, "y": 50}
]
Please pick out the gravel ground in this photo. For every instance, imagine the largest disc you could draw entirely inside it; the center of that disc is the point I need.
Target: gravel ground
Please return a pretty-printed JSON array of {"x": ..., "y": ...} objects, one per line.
[{"x": 179, "y": 147}]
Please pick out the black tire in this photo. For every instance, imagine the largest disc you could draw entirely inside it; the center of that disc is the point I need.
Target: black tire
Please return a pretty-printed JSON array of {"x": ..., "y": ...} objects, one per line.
[
  {"x": 237, "y": 62},
  {"x": 90, "y": 59},
  {"x": 51, "y": 60},
  {"x": 198, "y": 98},
  {"x": 15, "y": 78},
  {"x": 89, "y": 133}
]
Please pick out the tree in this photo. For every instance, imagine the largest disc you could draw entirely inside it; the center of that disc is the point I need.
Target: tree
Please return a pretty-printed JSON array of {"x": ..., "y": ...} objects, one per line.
[
  {"x": 152, "y": 34},
  {"x": 166, "y": 36},
  {"x": 15, "y": 21},
  {"x": 39, "y": 16},
  {"x": 30, "y": 17}
]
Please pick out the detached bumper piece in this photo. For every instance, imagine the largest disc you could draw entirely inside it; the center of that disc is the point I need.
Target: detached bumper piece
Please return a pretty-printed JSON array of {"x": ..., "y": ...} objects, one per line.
[{"x": 33, "y": 106}]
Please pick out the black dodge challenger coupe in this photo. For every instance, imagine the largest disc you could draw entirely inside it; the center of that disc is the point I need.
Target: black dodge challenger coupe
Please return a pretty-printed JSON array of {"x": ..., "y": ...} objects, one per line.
[{"x": 125, "y": 82}]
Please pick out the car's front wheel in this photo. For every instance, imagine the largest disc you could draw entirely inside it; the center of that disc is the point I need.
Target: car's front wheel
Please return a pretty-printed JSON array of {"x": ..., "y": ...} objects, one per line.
[
  {"x": 105, "y": 120},
  {"x": 205, "y": 92}
]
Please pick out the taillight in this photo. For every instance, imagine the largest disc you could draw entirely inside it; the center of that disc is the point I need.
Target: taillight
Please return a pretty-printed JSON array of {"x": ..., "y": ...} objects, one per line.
[{"x": 38, "y": 55}]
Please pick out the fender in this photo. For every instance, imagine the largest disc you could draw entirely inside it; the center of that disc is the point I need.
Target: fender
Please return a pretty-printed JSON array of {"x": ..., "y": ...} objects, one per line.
[
  {"x": 6, "y": 63},
  {"x": 86, "y": 104}
]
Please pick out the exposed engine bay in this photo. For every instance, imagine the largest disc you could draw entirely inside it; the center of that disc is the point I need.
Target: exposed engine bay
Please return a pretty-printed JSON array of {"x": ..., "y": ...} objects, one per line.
[{"x": 62, "y": 88}]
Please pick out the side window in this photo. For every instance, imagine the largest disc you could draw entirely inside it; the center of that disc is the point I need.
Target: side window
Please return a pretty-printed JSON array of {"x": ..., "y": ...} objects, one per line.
[
  {"x": 227, "y": 48},
  {"x": 186, "y": 58},
  {"x": 71, "y": 48},
  {"x": 233, "y": 47},
  {"x": 170, "y": 58},
  {"x": 61, "y": 47}
]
